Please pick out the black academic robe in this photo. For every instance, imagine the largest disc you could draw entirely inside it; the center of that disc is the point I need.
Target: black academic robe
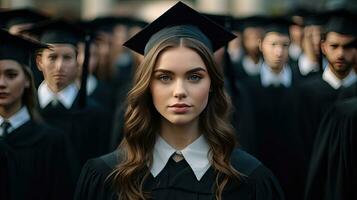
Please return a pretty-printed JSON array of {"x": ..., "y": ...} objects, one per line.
[
  {"x": 177, "y": 181},
  {"x": 333, "y": 168},
  {"x": 296, "y": 71},
  {"x": 87, "y": 132},
  {"x": 32, "y": 164},
  {"x": 316, "y": 97},
  {"x": 277, "y": 144},
  {"x": 104, "y": 94}
]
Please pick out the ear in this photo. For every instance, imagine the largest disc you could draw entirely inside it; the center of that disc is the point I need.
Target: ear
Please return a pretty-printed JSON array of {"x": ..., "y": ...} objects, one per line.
[
  {"x": 323, "y": 47},
  {"x": 260, "y": 44},
  {"x": 39, "y": 62}
]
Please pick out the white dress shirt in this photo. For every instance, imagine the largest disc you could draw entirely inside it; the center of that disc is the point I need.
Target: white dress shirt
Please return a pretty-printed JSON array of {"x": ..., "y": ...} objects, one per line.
[
  {"x": 307, "y": 66},
  {"x": 268, "y": 77},
  {"x": 250, "y": 67},
  {"x": 92, "y": 84},
  {"x": 16, "y": 120},
  {"x": 65, "y": 96},
  {"x": 196, "y": 155},
  {"x": 335, "y": 82}
]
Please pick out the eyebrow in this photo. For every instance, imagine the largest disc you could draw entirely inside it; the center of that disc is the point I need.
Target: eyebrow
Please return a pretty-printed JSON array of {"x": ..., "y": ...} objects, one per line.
[{"x": 197, "y": 69}]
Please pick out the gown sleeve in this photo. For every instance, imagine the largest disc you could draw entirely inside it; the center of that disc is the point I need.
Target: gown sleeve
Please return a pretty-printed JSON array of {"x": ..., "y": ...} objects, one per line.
[
  {"x": 93, "y": 183},
  {"x": 333, "y": 168}
]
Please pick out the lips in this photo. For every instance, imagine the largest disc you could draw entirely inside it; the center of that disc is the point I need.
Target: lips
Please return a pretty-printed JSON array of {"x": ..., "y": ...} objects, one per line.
[
  {"x": 180, "y": 108},
  {"x": 4, "y": 94}
]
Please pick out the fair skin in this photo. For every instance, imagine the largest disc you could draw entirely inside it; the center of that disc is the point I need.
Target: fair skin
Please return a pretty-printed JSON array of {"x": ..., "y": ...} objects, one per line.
[
  {"x": 340, "y": 56},
  {"x": 311, "y": 42},
  {"x": 13, "y": 82},
  {"x": 59, "y": 66},
  {"x": 180, "y": 89},
  {"x": 251, "y": 37},
  {"x": 275, "y": 50}
]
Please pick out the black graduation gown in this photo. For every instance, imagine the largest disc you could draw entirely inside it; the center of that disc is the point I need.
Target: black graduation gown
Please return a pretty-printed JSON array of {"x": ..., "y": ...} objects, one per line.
[
  {"x": 104, "y": 94},
  {"x": 32, "y": 164},
  {"x": 316, "y": 97},
  {"x": 296, "y": 71},
  {"x": 177, "y": 181},
  {"x": 277, "y": 144},
  {"x": 333, "y": 168},
  {"x": 87, "y": 132}
]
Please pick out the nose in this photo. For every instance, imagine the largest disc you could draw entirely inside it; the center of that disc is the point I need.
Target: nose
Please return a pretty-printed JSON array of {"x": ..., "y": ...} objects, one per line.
[
  {"x": 278, "y": 51},
  {"x": 2, "y": 82},
  {"x": 59, "y": 64},
  {"x": 180, "y": 89}
]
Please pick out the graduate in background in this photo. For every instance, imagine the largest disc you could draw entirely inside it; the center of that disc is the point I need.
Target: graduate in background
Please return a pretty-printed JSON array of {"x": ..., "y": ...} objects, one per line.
[
  {"x": 178, "y": 143},
  {"x": 319, "y": 93},
  {"x": 251, "y": 62},
  {"x": 32, "y": 160},
  {"x": 18, "y": 20},
  {"x": 86, "y": 124},
  {"x": 274, "y": 106},
  {"x": 333, "y": 168}
]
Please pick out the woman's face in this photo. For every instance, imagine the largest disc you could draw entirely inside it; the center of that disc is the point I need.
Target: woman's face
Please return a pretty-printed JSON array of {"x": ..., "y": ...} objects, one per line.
[
  {"x": 13, "y": 82},
  {"x": 180, "y": 86}
]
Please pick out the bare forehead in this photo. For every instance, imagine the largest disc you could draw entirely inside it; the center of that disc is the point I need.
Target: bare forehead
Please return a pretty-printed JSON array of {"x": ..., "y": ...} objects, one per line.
[
  {"x": 179, "y": 59},
  {"x": 9, "y": 64},
  {"x": 274, "y": 36},
  {"x": 337, "y": 37}
]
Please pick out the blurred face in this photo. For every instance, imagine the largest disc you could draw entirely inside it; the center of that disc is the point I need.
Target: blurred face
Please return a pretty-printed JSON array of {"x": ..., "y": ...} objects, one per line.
[
  {"x": 59, "y": 66},
  {"x": 312, "y": 35},
  {"x": 275, "y": 49},
  {"x": 180, "y": 86},
  {"x": 13, "y": 82},
  {"x": 251, "y": 37},
  {"x": 338, "y": 52}
]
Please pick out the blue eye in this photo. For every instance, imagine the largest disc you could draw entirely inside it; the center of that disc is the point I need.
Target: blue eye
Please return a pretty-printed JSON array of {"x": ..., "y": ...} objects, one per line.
[
  {"x": 194, "y": 77},
  {"x": 164, "y": 78}
]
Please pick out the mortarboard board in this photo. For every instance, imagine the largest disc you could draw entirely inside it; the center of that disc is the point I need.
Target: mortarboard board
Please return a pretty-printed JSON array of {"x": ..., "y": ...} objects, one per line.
[
  {"x": 18, "y": 48},
  {"x": 57, "y": 31},
  {"x": 21, "y": 16},
  {"x": 253, "y": 21},
  {"x": 342, "y": 21},
  {"x": 278, "y": 24},
  {"x": 180, "y": 20}
]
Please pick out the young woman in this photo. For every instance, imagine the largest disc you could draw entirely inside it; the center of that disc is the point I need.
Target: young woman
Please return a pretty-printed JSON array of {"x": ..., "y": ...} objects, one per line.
[
  {"x": 177, "y": 142},
  {"x": 30, "y": 152}
]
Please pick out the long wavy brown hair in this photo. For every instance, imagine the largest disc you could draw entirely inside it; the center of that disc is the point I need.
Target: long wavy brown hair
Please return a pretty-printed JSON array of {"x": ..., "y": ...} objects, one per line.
[
  {"x": 29, "y": 97},
  {"x": 141, "y": 125}
]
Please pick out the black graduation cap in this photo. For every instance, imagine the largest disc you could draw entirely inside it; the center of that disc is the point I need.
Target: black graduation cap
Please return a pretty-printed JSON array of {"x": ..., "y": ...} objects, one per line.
[
  {"x": 21, "y": 16},
  {"x": 253, "y": 21},
  {"x": 342, "y": 21},
  {"x": 317, "y": 18},
  {"x": 180, "y": 20},
  {"x": 57, "y": 31},
  {"x": 18, "y": 48},
  {"x": 107, "y": 23},
  {"x": 278, "y": 24}
]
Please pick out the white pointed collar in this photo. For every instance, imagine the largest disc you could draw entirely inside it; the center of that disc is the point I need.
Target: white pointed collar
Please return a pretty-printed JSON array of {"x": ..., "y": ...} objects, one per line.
[
  {"x": 196, "y": 155},
  {"x": 335, "y": 82},
  {"x": 65, "y": 96}
]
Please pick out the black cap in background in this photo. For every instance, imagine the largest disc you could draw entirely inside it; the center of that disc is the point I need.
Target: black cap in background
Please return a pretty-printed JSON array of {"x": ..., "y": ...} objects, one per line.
[
  {"x": 342, "y": 21},
  {"x": 180, "y": 20},
  {"x": 57, "y": 31},
  {"x": 279, "y": 24},
  {"x": 18, "y": 48},
  {"x": 21, "y": 16}
]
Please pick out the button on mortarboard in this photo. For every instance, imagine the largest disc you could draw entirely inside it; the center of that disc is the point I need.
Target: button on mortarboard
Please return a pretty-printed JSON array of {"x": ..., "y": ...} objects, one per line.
[
  {"x": 17, "y": 48},
  {"x": 180, "y": 20}
]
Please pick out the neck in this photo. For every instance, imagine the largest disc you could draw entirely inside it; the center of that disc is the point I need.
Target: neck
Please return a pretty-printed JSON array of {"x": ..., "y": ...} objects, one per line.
[
  {"x": 56, "y": 88},
  {"x": 8, "y": 111},
  {"x": 255, "y": 58},
  {"x": 179, "y": 136}
]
